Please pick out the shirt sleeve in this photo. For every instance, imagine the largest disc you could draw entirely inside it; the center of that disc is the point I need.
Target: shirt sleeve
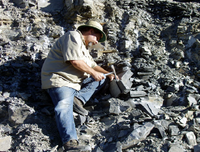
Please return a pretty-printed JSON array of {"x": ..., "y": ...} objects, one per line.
[{"x": 71, "y": 46}]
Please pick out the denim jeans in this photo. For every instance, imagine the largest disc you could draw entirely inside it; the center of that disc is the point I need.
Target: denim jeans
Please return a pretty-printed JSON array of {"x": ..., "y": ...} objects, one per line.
[{"x": 63, "y": 98}]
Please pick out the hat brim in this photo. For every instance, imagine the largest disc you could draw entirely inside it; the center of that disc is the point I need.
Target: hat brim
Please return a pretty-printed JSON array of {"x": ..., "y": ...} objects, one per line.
[{"x": 103, "y": 38}]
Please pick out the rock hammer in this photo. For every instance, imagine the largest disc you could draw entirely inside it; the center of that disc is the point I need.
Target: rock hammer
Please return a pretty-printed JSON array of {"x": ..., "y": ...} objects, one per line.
[
  {"x": 113, "y": 69},
  {"x": 114, "y": 88}
]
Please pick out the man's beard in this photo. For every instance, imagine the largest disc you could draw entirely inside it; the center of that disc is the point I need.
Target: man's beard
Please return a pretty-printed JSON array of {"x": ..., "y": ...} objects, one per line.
[{"x": 97, "y": 46}]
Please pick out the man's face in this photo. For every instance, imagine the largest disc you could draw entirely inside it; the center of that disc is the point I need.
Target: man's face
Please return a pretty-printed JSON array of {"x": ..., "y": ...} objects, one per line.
[{"x": 93, "y": 37}]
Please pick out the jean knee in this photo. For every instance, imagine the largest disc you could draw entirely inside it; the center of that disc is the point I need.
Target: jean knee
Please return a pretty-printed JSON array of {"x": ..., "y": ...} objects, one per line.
[{"x": 63, "y": 105}]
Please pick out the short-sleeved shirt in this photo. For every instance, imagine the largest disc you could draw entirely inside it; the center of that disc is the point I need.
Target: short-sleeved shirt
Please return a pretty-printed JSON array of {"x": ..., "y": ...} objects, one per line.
[{"x": 57, "y": 71}]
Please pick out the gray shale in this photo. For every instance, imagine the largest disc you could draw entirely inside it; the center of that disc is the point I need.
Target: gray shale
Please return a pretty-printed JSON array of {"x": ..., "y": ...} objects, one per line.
[{"x": 158, "y": 40}]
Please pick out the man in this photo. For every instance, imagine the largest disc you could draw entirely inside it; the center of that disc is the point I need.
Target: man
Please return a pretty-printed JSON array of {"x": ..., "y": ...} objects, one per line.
[{"x": 71, "y": 77}]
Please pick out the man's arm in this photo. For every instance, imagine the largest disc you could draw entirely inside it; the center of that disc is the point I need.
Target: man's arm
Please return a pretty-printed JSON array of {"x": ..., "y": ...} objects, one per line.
[
  {"x": 96, "y": 72},
  {"x": 100, "y": 69}
]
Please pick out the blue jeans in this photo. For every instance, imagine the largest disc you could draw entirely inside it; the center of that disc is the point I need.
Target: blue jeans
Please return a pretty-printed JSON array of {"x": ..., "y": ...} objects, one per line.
[{"x": 63, "y": 98}]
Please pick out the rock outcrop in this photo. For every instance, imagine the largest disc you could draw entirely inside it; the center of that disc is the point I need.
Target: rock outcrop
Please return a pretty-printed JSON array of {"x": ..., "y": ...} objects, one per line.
[{"x": 154, "y": 46}]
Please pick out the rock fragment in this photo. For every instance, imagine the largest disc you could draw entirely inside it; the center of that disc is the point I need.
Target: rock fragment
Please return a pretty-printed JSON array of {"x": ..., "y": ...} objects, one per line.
[
  {"x": 117, "y": 106},
  {"x": 19, "y": 113},
  {"x": 196, "y": 148},
  {"x": 138, "y": 93},
  {"x": 191, "y": 138},
  {"x": 174, "y": 130},
  {"x": 5, "y": 143},
  {"x": 138, "y": 134},
  {"x": 176, "y": 148}
]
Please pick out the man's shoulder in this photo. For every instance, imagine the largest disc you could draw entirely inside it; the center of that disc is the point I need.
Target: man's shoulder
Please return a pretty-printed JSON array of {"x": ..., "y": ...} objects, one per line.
[{"x": 73, "y": 33}]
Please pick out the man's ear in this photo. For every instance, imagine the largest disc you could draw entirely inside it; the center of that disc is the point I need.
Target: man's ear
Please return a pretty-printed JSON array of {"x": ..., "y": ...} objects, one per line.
[{"x": 91, "y": 30}]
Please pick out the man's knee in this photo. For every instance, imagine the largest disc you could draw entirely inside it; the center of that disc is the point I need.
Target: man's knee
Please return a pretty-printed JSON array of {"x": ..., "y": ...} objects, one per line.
[{"x": 64, "y": 104}]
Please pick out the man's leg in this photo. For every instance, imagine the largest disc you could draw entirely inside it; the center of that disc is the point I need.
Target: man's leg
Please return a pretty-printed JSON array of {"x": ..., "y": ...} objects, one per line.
[
  {"x": 63, "y": 98},
  {"x": 89, "y": 87}
]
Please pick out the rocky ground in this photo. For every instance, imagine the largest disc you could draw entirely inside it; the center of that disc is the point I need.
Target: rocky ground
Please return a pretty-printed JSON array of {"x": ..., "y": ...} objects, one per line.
[{"x": 157, "y": 40}]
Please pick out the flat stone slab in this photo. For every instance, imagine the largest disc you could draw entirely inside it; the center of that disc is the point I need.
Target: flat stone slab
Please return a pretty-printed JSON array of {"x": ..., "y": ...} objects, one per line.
[
  {"x": 5, "y": 143},
  {"x": 137, "y": 135},
  {"x": 137, "y": 94}
]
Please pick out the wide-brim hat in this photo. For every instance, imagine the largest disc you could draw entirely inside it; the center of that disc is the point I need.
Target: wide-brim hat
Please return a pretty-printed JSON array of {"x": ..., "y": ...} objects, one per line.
[{"x": 97, "y": 26}]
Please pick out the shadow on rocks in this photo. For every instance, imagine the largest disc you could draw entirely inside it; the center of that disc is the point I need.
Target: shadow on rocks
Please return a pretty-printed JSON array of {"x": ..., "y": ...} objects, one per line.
[{"x": 26, "y": 111}]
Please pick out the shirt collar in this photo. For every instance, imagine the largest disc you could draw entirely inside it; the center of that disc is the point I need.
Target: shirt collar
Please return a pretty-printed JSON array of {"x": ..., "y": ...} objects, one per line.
[{"x": 81, "y": 37}]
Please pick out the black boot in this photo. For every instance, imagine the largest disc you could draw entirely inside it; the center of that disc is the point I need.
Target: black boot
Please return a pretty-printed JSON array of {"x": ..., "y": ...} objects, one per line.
[
  {"x": 72, "y": 146},
  {"x": 78, "y": 107}
]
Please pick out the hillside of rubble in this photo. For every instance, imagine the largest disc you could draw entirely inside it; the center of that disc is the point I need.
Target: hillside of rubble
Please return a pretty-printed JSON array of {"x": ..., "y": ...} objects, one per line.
[{"x": 154, "y": 43}]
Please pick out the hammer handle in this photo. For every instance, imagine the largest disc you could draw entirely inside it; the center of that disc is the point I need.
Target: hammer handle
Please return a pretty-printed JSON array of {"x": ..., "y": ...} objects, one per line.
[
  {"x": 108, "y": 73},
  {"x": 113, "y": 68}
]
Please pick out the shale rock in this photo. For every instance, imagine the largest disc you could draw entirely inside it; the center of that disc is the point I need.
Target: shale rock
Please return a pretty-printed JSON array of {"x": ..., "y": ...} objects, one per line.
[{"x": 154, "y": 47}]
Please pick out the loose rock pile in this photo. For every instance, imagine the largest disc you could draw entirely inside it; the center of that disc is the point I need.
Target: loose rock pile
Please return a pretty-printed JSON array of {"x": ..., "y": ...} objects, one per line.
[{"x": 157, "y": 40}]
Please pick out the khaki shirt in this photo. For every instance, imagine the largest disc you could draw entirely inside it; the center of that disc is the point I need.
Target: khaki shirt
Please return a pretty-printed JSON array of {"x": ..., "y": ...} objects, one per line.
[{"x": 57, "y": 71}]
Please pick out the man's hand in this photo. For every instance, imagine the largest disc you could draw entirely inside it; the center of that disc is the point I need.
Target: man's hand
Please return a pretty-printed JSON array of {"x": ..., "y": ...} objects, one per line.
[
  {"x": 97, "y": 72},
  {"x": 82, "y": 66},
  {"x": 111, "y": 77},
  {"x": 98, "y": 76}
]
